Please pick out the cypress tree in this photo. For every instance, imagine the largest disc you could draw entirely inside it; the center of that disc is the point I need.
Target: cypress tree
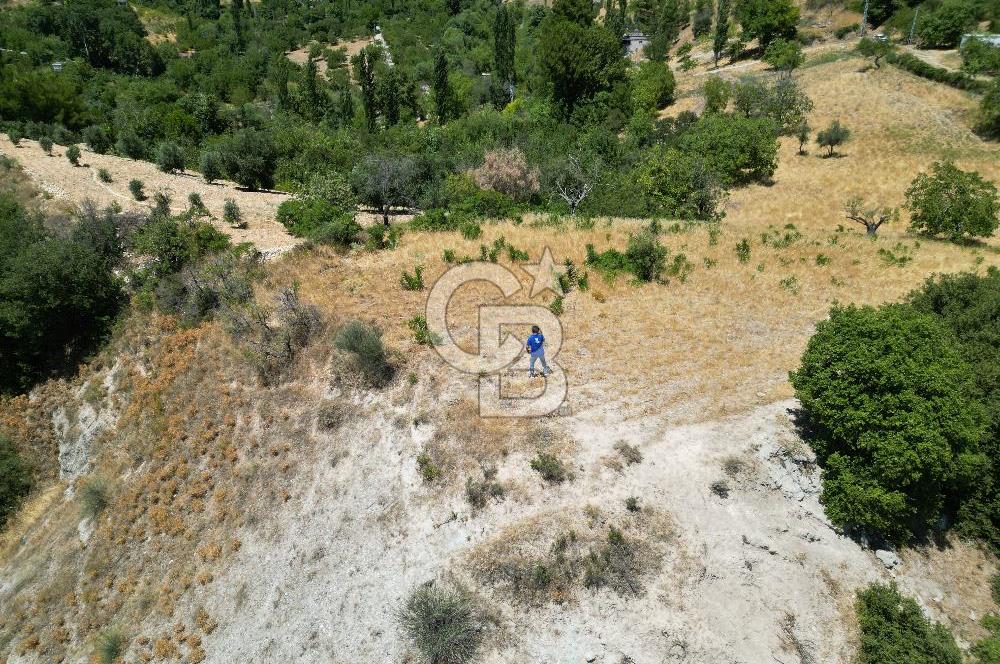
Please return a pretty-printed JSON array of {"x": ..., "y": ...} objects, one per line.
[
  {"x": 721, "y": 31},
  {"x": 504, "y": 39},
  {"x": 442, "y": 89}
]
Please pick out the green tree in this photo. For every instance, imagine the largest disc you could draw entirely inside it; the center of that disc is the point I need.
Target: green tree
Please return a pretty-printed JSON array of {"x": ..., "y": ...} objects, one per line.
[
  {"x": 311, "y": 96},
  {"x": 875, "y": 49},
  {"x": 211, "y": 166},
  {"x": 893, "y": 420},
  {"x": 443, "y": 94},
  {"x": 15, "y": 480},
  {"x": 969, "y": 304},
  {"x": 652, "y": 85},
  {"x": 735, "y": 148},
  {"x": 170, "y": 157},
  {"x": 951, "y": 202},
  {"x": 783, "y": 55},
  {"x": 578, "y": 60},
  {"x": 833, "y": 137},
  {"x": 580, "y": 12},
  {"x": 895, "y": 631},
  {"x": 716, "y": 92},
  {"x": 364, "y": 72},
  {"x": 73, "y": 154},
  {"x": 721, "y": 34},
  {"x": 767, "y": 20},
  {"x": 385, "y": 182},
  {"x": 249, "y": 158},
  {"x": 58, "y": 298},
  {"x": 675, "y": 184},
  {"x": 504, "y": 46},
  {"x": 943, "y": 27},
  {"x": 989, "y": 112}
]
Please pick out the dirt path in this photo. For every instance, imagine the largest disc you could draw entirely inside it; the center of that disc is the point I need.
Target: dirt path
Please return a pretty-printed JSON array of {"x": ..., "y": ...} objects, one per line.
[{"x": 75, "y": 184}]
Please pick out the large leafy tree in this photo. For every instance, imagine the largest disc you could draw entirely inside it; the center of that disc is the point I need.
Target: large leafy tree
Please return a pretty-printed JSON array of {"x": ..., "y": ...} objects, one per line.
[
  {"x": 58, "y": 296},
  {"x": 579, "y": 58},
  {"x": 249, "y": 158},
  {"x": 951, "y": 202},
  {"x": 767, "y": 20},
  {"x": 736, "y": 149},
  {"x": 893, "y": 419},
  {"x": 895, "y": 631}
]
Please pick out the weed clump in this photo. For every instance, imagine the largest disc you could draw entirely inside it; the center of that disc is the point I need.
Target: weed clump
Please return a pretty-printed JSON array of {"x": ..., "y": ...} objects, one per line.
[
  {"x": 443, "y": 625},
  {"x": 94, "y": 497},
  {"x": 364, "y": 342},
  {"x": 480, "y": 492},
  {"x": 630, "y": 454},
  {"x": 109, "y": 648},
  {"x": 614, "y": 565}
]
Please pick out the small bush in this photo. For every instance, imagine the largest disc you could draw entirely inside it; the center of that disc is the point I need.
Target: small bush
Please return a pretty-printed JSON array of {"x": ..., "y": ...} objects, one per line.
[
  {"x": 46, "y": 144},
  {"x": 73, "y": 154},
  {"x": 550, "y": 468},
  {"x": 364, "y": 342},
  {"x": 894, "y": 629},
  {"x": 429, "y": 470},
  {"x": 470, "y": 230},
  {"x": 421, "y": 333},
  {"x": 169, "y": 157},
  {"x": 15, "y": 135},
  {"x": 211, "y": 166},
  {"x": 137, "y": 189},
  {"x": 480, "y": 492},
  {"x": 644, "y": 257},
  {"x": 615, "y": 565},
  {"x": 743, "y": 250},
  {"x": 15, "y": 479},
  {"x": 94, "y": 497},
  {"x": 556, "y": 307},
  {"x": 161, "y": 204},
  {"x": 103, "y": 175},
  {"x": 412, "y": 282},
  {"x": 630, "y": 454},
  {"x": 331, "y": 415},
  {"x": 232, "y": 215},
  {"x": 632, "y": 504},
  {"x": 110, "y": 646},
  {"x": 720, "y": 488},
  {"x": 442, "y": 624}
]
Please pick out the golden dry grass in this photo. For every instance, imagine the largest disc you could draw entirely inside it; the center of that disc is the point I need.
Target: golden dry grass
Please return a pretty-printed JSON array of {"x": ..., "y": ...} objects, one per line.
[{"x": 726, "y": 339}]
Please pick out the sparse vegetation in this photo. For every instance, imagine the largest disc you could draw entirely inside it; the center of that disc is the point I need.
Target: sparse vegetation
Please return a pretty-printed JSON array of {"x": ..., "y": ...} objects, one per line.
[
  {"x": 103, "y": 175},
  {"x": 630, "y": 454},
  {"x": 480, "y": 492},
  {"x": 614, "y": 565},
  {"x": 443, "y": 625},
  {"x": 429, "y": 470},
  {"x": 550, "y": 467}
]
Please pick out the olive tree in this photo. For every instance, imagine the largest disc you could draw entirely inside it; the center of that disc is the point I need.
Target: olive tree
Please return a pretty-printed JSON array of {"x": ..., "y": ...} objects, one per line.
[
  {"x": 871, "y": 217},
  {"x": 386, "y": 181}
]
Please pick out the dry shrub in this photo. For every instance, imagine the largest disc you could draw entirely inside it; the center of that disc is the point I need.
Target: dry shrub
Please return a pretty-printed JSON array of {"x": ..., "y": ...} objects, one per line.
[{"x": 505, "y": 170}]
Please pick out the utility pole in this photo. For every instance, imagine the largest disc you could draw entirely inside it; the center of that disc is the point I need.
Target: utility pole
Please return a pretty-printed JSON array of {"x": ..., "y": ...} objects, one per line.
[
  {"x": 864, "y": 20},
  {"x": 913, "y": 26}
]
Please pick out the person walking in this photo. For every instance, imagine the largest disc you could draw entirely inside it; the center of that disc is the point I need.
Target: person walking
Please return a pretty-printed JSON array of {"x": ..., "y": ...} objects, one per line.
[{"x": 536, "y": 350}]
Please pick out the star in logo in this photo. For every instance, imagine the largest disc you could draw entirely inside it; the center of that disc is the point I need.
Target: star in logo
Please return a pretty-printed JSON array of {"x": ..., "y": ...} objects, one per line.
[{"x": 545, "y": 273}]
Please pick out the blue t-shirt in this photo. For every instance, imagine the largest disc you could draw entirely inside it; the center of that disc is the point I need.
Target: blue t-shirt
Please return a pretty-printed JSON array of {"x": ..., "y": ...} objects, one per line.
[{"x": 535, "y": 342}]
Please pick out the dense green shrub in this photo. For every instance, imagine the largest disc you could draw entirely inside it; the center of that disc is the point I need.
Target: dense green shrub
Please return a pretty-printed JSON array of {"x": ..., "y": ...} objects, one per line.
[
  {"x": 674, "y": 184},
  {"x": 987, "y": 651},
  {"x": 211, "y": 166},
  {"x": 737, "y": 149},
  {"x": 15, "y": 480},
  {"x": 46, "y": 144},
  {"x": 249, "y": 159},
  {"x": 644, "y": 257},
  {"x": 782, "y": 102},
  {"x": 652, "y": 85},
  {"x": 943, "y": 26},
  {"x": 73, "y": 154},
  {"x": 980, "y": 57},
  {"x": 443, "y": 625},
  {"x": 58, "y": 295},
  {"x": 989, "y": 112},
  {"x": 784, "y": 55},
  {"x": 969, "y": 304},
  {"x": 98, "y": 139},
  {"x": 169, "y": 157},
  {"x": 767, "y": 20},
  {"x": 890, "y": 406},
  {"x": 951, "y": 202},
  {"x": 172, "y": 245},
  {"x": 895, "y": 631},
  {"x": 364, "y": 343},
  {"x": 136, "y": 188},
  {"x": 915, "y": 65}
]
